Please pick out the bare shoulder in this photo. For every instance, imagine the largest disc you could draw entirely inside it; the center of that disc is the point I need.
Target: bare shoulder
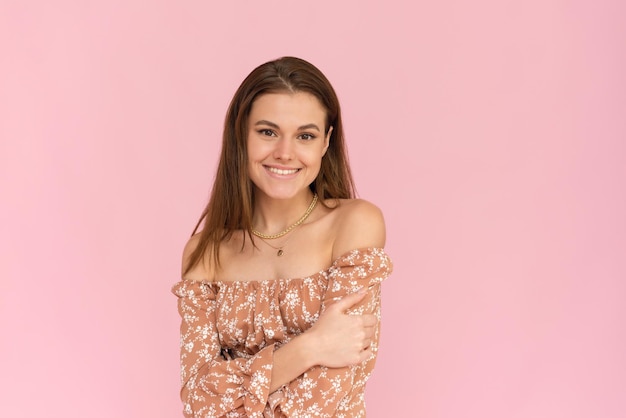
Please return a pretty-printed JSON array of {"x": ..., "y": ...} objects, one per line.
[
  {"x": 359, "y": 224},
  {"x": 198, "y": 272}
]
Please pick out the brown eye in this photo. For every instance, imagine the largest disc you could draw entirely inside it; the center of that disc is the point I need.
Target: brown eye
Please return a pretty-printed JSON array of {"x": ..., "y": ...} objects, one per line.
[{"x": 266, "y": 132}]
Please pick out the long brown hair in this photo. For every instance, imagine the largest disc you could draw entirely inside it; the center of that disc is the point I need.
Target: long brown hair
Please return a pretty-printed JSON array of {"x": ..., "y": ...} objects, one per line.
[{"x": 232, "y": 197}]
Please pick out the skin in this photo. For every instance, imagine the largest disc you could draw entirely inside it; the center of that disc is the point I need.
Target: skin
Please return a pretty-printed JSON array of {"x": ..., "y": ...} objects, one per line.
[
  {"x": 286, "y": 142},
  {"x": 285, "y": 131}
]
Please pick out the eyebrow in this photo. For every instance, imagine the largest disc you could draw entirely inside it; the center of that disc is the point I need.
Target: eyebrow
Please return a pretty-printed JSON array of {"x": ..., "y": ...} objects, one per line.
[{"x": 301, "y": 128}]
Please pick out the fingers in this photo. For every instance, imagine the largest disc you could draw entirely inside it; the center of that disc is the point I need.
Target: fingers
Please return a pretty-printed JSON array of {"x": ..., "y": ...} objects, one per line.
[
  {"x": 365, "y": 355},
  {"x": 369, "y": 320},
  {"x": 367, "y": 343},
  {"x": 350, "y": 300},
  {"x": 368, "y": 337}
]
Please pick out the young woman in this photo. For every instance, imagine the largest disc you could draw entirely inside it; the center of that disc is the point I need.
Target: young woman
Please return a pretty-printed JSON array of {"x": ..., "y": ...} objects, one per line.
[{"x": 280, "y": 296}]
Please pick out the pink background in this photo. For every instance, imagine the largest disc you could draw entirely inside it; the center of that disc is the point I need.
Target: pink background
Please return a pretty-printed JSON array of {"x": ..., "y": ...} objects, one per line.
[{"x": 491, "y": 133}]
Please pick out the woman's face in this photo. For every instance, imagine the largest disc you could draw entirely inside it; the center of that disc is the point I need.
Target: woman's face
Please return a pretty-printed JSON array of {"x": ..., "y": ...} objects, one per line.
[{"x": 286, "y": 143}]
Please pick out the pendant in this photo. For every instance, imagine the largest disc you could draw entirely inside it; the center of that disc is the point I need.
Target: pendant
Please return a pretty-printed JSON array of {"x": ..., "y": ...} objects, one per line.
[{"x": 280, "y": 252}]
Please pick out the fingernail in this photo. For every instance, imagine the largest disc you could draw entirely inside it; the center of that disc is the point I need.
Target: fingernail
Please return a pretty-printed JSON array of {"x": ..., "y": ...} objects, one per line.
[{"x": 362, "y": 290}]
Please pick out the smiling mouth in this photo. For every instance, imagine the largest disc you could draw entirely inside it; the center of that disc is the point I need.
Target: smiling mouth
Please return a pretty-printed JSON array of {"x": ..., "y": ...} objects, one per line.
[{"x": 282, "y": 172}]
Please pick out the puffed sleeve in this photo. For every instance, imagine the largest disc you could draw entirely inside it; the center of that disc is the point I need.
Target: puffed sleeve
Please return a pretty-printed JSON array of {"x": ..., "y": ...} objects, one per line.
[
  {"x": 323, "y": 391},
  {"x": 213, "y": 386}
]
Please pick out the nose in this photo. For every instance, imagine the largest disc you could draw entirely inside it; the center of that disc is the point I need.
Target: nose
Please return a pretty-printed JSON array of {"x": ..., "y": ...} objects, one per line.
[{"x": 284, "y": 149}]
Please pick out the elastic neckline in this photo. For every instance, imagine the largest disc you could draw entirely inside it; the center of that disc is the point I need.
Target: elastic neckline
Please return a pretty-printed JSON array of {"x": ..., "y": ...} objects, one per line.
[{"x": 322, "y": 273}]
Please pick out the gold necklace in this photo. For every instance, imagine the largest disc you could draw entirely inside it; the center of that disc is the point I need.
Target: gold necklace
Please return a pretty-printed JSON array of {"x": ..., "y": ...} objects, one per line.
[
  {"x": 289, "y": 229},
  {"x": 280, "y": 251}
]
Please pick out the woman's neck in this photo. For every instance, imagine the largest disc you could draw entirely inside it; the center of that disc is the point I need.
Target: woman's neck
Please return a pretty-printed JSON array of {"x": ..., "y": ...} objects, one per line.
[{"x": 275, "y": 215}]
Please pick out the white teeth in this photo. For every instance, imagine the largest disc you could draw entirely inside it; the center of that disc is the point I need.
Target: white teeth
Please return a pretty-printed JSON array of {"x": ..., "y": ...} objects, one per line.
[{"x": 282, "y": 172}]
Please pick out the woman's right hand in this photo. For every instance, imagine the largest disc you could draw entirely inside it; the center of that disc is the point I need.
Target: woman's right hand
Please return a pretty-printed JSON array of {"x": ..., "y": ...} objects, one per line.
[{"x": 339, "y": 339}]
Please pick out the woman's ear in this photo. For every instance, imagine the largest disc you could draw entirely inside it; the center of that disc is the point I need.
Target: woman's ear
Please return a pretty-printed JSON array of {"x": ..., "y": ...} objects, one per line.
[{"x": 327, "y": 140}]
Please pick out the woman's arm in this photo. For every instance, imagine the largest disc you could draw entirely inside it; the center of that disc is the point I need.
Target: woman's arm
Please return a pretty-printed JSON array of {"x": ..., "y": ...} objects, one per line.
[
  {"x": 323, "y": 390},
  {"x": 336, "y": 340},
  {"x": 213, "y": 385},
  {"x": 345, "y": 358}
]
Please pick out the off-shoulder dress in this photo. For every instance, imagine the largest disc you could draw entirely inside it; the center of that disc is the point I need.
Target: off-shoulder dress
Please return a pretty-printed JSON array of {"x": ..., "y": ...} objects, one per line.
[{"x": 230, "y": 330}]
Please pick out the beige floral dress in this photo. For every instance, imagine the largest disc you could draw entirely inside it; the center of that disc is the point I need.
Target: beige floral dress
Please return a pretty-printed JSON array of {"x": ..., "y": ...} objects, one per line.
[{"x": 230, "y": 330}]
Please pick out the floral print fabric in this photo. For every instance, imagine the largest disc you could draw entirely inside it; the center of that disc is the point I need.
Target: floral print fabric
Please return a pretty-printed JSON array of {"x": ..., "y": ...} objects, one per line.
[{"x": 230, "y": 330}]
